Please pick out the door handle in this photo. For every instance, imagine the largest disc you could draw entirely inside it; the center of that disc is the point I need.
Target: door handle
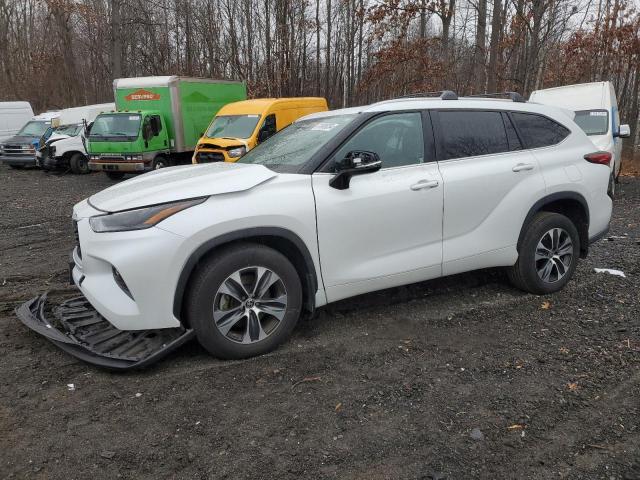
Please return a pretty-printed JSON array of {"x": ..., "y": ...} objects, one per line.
[
  {"x": 422, "y": 184},
  {"x": 522, "y": 166}
]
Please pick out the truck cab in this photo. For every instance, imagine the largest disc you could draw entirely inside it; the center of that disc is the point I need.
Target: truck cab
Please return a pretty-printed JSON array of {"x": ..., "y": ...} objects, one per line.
[
  {"x": 62, "y": 147},
  {"x": 129, "y": 142},
  {"x": 20, "y": 150},
  {"x": 240, "y": 126}
]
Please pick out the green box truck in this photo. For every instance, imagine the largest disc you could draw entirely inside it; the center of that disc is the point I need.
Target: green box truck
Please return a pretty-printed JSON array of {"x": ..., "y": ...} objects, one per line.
[{"x": 157, "y": 122}]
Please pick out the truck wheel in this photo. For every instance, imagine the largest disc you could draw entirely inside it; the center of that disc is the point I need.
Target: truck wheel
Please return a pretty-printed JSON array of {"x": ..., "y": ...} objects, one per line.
[
  {"x": 160, "y": 162},
  {"x": 115, "y": 175},
  {"x": 244, "y": 301},
  {"x": 79, "y": 163},
  {"x": 547, "y": 254}
]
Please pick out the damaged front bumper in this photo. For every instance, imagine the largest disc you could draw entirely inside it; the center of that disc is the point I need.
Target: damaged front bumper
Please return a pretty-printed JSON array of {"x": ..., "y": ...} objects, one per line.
[{"x": 77, "y": 328}]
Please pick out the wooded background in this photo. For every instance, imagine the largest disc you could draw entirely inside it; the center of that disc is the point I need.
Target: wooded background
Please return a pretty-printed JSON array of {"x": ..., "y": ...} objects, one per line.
[{"x": 60, "y": 53}]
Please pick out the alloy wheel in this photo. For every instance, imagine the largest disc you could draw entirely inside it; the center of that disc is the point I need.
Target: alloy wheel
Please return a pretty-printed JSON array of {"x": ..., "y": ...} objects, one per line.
[
  {"x": 250, "y": 304},
  {"x": 554, "y": 254}
]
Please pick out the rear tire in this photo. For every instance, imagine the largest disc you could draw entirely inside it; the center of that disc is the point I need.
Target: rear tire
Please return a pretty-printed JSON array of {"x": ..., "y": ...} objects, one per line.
[
  {"x": 79, "y": 164},
  {"x": 548, "y": 254},
  {"x": 244, "y": 301},
  {"x": 611, "y": 188},
  {"x": 617, "y": 179},
  {"x": 115, "y": 175}
]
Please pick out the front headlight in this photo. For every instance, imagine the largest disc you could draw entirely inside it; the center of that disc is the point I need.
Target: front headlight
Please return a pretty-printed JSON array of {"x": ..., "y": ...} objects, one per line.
[
  {"x": 139, "y": 218},
  {"x": 237, "y": 152}
]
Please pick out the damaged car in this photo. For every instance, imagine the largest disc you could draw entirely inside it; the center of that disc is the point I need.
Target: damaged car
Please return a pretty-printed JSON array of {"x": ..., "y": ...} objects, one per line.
[{"x": 338, "y": 204}]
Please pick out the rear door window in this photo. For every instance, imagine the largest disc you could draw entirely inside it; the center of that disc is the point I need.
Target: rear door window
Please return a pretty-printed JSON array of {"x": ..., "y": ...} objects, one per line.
[
  {"x": 469, "y": 133},
  {"x": 537, "y": 131}
]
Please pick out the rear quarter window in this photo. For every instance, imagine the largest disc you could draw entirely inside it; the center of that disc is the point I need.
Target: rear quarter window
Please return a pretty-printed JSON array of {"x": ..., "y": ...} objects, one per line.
[{"x": 537, "y": 131}]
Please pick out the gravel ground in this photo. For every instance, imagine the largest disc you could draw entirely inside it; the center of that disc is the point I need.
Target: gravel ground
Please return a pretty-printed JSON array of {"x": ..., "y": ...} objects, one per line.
[{"x": 463, "y": 377}]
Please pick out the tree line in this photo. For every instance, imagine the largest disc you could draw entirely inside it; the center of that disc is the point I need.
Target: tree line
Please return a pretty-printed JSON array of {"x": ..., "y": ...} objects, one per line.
[{"x": 59, "y": 53}]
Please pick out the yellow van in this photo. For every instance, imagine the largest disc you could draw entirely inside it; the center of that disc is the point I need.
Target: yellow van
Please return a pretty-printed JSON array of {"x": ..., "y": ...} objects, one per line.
[{"x": 240, "y": 126}]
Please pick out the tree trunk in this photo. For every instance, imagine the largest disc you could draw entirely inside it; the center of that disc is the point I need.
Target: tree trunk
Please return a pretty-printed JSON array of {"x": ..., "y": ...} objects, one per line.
[
  {"x": 116, "y": 39},
  {"x": 479, "y": 57},
  {"x": 496, "y": 30}
]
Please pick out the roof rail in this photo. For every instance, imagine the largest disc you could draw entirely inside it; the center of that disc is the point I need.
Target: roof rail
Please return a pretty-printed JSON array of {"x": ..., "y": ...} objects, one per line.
[
  {"x": 513, "y": 96},
  {"x": 443, "y": 94}
]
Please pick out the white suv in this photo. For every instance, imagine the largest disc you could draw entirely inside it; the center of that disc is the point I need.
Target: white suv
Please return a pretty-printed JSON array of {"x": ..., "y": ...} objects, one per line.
[{"x": 338, "y": 204}]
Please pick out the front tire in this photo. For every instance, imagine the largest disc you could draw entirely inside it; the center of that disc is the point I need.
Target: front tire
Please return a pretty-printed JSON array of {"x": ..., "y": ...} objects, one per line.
[
  {"x": 160, "y": 162},
  {"x": 547, "y": 255},
  {"x": 79, "y": 164},
  {"x": 244, "y": 301}
]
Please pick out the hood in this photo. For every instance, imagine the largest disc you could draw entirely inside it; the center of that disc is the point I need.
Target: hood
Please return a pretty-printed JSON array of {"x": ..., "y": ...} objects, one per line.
[
  {"x": 219, "y": 142},
  {"x": 179, "y": 183},
  {"x": 56, "y": 136},
  {"x": 21, "y": 140}
]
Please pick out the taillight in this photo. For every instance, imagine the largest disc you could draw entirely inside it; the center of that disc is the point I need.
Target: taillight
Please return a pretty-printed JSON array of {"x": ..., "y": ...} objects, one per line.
[{"x": 602, "y": 158}]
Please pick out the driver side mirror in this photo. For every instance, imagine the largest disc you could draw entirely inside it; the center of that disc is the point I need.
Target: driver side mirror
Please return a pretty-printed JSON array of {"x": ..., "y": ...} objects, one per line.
[
  {"x": 354, "y": 163},
  {"x": 623, "y": 132}
]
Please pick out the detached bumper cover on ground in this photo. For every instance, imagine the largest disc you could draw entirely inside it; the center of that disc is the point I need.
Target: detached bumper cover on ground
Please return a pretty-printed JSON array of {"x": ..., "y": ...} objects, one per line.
[{"x": 78, "y": 329}]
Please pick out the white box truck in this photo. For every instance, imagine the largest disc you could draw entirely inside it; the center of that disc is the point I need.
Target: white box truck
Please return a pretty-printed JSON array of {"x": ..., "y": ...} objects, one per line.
[{"x": 65, "y": 148}]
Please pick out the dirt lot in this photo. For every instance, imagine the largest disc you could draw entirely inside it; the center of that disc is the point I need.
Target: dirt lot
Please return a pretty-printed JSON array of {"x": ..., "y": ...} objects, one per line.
[{"x": 386, "y": 385}]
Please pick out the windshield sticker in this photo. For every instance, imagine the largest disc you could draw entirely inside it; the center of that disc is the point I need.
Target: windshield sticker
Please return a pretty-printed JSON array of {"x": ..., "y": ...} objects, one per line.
[
  {"x": 133, "y": 117},
  {"x": 324, "y": 127},
  {"x": 598, "y": 114}
]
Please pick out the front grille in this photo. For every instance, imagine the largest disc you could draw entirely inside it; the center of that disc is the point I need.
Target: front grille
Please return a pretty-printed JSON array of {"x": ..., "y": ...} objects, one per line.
[
  {"x": 211, "y": 146},
  {"x": 209, "y": 157},
  {"x": 75, "y": 232},
  {"x": 17, "y": 150},
  {"x": 108, "y": 158}
]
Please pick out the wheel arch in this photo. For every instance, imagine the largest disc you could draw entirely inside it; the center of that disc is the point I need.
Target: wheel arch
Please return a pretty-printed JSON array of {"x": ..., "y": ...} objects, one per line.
[
  {"x": 570, "y": 204},
  {"x": 70, "y": 153},
  {"x": 280, "y": 239}
]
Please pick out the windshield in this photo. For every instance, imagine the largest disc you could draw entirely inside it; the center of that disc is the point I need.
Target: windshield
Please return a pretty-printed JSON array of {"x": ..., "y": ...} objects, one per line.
[
  {"x": 233, "y": 126},
  {"x": 593, "y": 122},
  {"x": 116, "y": 125},
  {"x": 71, "y": 130},
  {"x": 34, "y": 128},
  {"x": 292, "y": 147}
]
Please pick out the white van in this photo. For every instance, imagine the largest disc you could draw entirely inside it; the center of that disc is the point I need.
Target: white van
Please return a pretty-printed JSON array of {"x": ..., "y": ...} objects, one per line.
[
  {"x": 596, "y": 112},
  {"x": 64, "y": 148},
  {"x": 13, "y": 116}
]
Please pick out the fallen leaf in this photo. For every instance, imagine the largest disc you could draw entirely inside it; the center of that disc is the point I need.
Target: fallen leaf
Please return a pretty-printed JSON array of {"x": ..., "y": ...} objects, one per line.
[
  {"x": 564, "y": 350},
  {"x": 338, "y": 406},
  {"x": 515, "y": 426},
  {"x": 572, "y": 386},
  {"x": 546, "y": 305}
]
